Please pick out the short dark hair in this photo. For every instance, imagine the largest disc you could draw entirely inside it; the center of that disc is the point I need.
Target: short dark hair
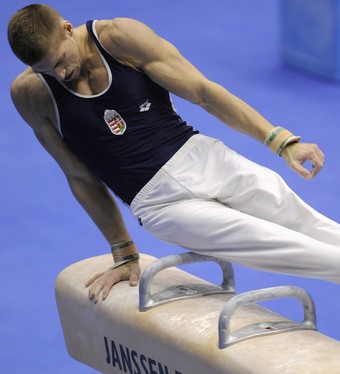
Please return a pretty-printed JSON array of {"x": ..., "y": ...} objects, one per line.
[{"x": 32, "y": 30}]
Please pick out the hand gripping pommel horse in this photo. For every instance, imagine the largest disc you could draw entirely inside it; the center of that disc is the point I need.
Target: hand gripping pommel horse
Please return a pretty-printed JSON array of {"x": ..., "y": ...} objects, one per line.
[{"x": 176, "y": 323}]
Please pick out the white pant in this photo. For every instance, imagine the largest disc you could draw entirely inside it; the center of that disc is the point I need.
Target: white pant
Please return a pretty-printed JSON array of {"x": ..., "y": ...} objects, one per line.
[{"x": 211, "y": 200}]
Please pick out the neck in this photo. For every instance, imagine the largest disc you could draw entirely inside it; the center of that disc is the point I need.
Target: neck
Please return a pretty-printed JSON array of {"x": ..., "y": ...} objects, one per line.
[{"x": 88, "y": 52}]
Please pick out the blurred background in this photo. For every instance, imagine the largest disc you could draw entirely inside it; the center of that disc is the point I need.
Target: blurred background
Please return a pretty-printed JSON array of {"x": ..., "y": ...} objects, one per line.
[{"x": 239, "y": 44}]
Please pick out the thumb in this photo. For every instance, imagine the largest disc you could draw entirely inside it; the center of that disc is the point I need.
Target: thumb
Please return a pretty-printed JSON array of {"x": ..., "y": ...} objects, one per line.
[{"x": 301, "y": 170}]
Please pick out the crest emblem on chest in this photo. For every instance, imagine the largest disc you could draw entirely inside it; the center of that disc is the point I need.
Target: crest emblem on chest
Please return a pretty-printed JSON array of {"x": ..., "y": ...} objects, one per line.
[{"x": 115, "y": 122}]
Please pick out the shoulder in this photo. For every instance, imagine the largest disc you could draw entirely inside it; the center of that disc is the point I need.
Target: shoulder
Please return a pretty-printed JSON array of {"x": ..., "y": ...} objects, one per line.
[
  {"x": 119, "y": 29},
  {"x": 128, "y": 39},
  {"x": 27, "y": 85},
  {"x": 21, "y": 84},
  {"x": 30, "y": 96}
]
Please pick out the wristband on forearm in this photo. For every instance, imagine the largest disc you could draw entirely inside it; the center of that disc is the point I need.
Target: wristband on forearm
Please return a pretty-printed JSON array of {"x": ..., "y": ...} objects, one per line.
[
  {"x": 120, "y": 257},
  {"x": 279, "y": 138},
  {"x": 121, "y": 245},
  {"x": 121, "y": 260}
]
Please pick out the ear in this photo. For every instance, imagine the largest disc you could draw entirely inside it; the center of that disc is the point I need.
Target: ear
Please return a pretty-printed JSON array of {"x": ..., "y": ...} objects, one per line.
[{"x": 68, "y": 27}]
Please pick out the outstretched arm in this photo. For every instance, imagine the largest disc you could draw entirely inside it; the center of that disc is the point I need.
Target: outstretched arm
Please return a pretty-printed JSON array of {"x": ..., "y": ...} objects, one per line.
[{"x": 136, "y": 44}]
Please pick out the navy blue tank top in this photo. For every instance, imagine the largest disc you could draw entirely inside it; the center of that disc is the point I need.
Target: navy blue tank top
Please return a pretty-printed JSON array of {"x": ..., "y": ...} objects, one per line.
[{"x": 124, "y": 134}]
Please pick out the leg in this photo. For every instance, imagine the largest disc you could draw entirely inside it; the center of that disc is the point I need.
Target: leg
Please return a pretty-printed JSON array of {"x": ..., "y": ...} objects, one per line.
[
  {"x": 262, "y": 193},
  {"x": 212, "y": 200},
  {"x": 208, "y": 227},
  {"x": 214, "y": 171}
]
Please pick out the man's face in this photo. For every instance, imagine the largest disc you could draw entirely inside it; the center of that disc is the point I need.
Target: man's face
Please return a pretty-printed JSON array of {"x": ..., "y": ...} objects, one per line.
[{"x": 62, "y": 61}]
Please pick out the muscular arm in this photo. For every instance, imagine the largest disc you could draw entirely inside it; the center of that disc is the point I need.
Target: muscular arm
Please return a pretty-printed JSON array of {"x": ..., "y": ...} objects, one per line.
[
  {"x": 90, "y": 192},
  {"x": 33, "y": 104},
  {"x": 136, "y": 44}
]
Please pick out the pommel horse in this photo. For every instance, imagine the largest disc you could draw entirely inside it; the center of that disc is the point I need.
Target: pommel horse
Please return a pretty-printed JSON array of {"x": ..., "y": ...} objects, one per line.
[{"x": 176, "y": 323}]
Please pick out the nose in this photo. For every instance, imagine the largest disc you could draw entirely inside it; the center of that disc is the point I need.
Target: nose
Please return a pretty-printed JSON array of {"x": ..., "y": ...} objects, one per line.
[{"x": 60, "y": 72}]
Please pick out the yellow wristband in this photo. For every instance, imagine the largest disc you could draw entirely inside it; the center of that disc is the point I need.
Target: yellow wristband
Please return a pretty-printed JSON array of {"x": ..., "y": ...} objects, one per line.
[{"x": 279, "y": 138}]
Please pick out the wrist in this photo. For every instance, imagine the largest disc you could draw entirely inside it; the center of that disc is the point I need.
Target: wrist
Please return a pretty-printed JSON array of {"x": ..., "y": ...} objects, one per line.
[
  {"x": 122, "y": 260},
  {"x": 278, "y": 139},
  {"x": 124, "y": 251}
]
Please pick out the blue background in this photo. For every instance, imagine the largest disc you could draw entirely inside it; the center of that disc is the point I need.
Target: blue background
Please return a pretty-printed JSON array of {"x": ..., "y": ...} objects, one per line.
[{"x": 43, "y": 229}]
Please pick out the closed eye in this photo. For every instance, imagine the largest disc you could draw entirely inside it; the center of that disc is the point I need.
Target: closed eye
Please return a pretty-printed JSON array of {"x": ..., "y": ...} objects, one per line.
[{"x": 59, "y": 62}]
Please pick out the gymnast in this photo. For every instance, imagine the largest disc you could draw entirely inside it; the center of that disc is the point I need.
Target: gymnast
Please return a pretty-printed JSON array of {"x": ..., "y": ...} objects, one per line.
[{"x": 98, "y": 99}]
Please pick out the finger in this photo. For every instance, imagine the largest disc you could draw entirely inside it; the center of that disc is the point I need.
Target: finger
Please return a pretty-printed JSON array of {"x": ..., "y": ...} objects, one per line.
[
  {"x": 315, "y": 171},
  {"x": 108, "y": 285},
  {"x": 317, "y": 165},
  {"x": 302, "y": 171},
  {"x": 315, "y": 158},
  {"x": 321, "y": 156},
  {"x": 134, "y": 278},
  {"x": 94, "y": 292},
  {"x": 92, "y": 279},
  {"x": 318, "y": 162},
  {"x": 107, "y": 289}
]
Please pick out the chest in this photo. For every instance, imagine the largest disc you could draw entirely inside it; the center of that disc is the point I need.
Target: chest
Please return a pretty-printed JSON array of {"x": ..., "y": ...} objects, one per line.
[
  {"x": 117, "y": 88},
  {"x": 91, "y": 83}
]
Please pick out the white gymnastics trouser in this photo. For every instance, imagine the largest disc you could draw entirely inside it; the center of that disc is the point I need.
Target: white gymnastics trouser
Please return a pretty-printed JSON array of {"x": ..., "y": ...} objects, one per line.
[{"x": 210, "y": 200}]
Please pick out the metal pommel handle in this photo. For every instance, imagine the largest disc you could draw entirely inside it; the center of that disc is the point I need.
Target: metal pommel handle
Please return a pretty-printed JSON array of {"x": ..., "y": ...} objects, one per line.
[
  {"x": 226, "y": 337},
  {"x": 147, "y": 301}
]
